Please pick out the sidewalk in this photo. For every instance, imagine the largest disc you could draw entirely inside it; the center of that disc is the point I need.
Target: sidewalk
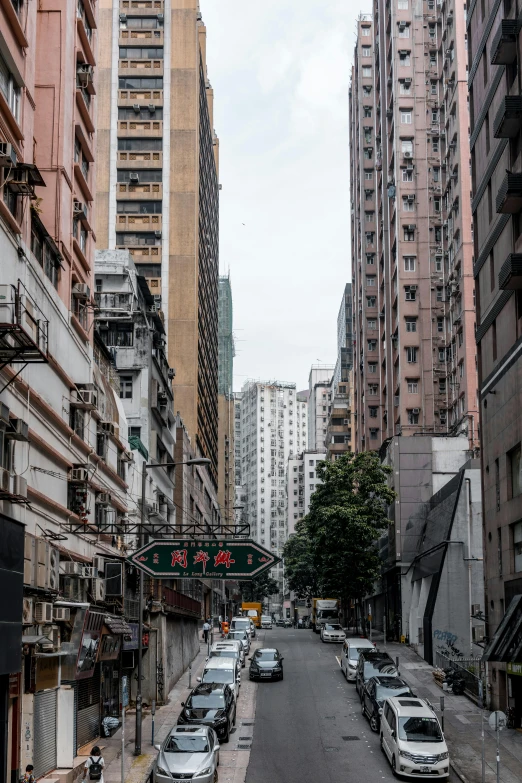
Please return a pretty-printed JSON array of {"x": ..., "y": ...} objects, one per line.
[
  {"x": 462, "y": 723},
  {"x": 138, "y": 768}
]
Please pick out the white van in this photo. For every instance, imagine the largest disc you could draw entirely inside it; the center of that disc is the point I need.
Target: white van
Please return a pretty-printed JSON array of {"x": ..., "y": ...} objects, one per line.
[
  {"x": 350, "y": 655},
  {"x": 231, "y": 646},
  {"x": 222, "y": 670},
  {"x": 412, "y": 739}
]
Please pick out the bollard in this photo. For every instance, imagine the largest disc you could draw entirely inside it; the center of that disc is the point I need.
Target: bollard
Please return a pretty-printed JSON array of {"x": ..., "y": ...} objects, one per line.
[
  {"x": 442, "y": 713},
  {"x": 190, "y": 675},
  {"x": 153, "y": 712}
]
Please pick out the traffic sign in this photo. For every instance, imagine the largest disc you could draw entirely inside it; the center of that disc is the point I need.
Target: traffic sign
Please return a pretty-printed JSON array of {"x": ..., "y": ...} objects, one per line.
[
  {"x": 497, "y": 720},
  {"x": 219, "y": 559}
]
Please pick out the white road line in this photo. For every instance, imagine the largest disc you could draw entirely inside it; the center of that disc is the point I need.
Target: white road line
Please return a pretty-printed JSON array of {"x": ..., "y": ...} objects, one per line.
[{"x": 337, "y": 658}]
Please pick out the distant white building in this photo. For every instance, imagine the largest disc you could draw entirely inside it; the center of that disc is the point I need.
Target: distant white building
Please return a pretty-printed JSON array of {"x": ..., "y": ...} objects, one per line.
[
  {"x": 302, "y": 482},
  {"x": 273, "y": 428},
  {"x": 319, "y": 404}
]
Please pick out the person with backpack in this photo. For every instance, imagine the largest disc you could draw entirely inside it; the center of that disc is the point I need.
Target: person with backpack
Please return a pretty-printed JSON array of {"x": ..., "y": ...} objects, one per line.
[{"x": 94, "y": 765}]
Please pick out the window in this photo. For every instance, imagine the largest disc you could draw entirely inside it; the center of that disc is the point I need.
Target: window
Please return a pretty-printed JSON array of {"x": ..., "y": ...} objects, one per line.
[
  {"x": 410, "y": 293},
  {"x": 140, "y": 145},
  {"x": 44, "y": 250},
  {"x": 145, "y": 175},
  {"x": 367, "y": 71},
  {"x": 373, "y": 433},
  {"x": 370, "y": 280},
  {"x": 436, "y": 173},
  {"x": 368, "y": 195},
  {"x": 517, "y": 542},
  {"x": 367, "y": 90},
  {"x": 435, "y": 145},
  {"x": 373, "y": 389},
  {"x": 138, "y": 207},
  {"x": 407, "y": 146},
  {"x": 118, "y": 334},
  {"x": 407, "y": 175},
  {"x": 409, "y": 263},
  {"x": 77, "y": 421},
  {"x": 365, "y": 31},
  {"x": 409, "y": 234},
  {"x": 433, "y": 87},
  {"x": 408, "y": 203},
  {"x": 366, "y": 51},
  {"x": 367, "y": 135},
  {"x": 140, "y": 82},
  {"x": 137, "y": 238},
  {"x": 368, "y": 153},
  {"x": 141, "y": 53},
  {"x": 312, "y": 487},
  {"x": 404, "y": 30},
  {"x": 368, "y": 174},
  {"x": 413, "y": 387},
  {"x": 9, "y": 89},
  {"x": 367, "y": 111},
  {"x": 372, "y": 410},
  {"x": 436, "y": 204},
  {"x": 126, "y": 387},
  {"x": 440, "y": 297},
  {"x": 371, "y": 301},
  {"x": 406, "y": 115},
  {"x": 404, "y": 87},
  {"x": 372, "y": 345},
  {"x": 372, "y": 367},
  {"x": 369, "y": 217},
  {"x": 370, "y": 258},
  {"x": 142, "y": 22},
  {"x": 402, "y": 5},
  {"x": 411, "y": 324},
  {"x": 442, "y": 386},
  {"x": 312, "y": 474},
  {"x": 413, "y": 416},
  {"x": 515, "y": 466},
  {"x": 440, "y": 325},
  {"x": 404, "y": 58},
  {"x": 370, "y": 238},
  {"x": 371, "y": 323},
  {"x": 134, "y": 432},
  {"x": 128, "y": 113},
  {"x": 411, "y": 355}
]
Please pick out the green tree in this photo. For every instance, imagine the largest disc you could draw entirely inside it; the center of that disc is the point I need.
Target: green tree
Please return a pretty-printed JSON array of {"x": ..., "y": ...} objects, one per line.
[
  {"x": 259, "y": 588},
  {"x": 347, "y": 513},
  {"x": 300, "y": 568}
]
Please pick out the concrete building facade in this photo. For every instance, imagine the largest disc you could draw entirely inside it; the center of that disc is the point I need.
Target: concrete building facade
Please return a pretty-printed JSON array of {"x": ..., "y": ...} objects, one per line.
[
  {"x": 415, "y": 368},
  {"x": 319, "y": 404},
  {"x": 226, "y": 405},
  {"x": 157, "y": 185},
  {"x": 301, "y": 483}
]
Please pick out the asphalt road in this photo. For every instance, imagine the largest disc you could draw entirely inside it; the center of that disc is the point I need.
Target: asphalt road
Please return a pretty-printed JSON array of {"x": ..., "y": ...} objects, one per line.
[{"x": 309, "y": 728}]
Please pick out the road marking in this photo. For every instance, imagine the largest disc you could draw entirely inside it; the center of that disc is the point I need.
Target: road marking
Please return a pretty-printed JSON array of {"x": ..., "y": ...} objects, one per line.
[{"x": 338, "y": 660}]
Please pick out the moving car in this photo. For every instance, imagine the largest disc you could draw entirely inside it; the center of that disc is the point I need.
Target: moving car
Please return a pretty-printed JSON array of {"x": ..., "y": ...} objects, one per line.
[
  {"x": 280, "y": 623},
  {"x": 376, "y": 690},
  {"x": 222, "y": 670},
  {"x": 266, "y": 664},
  {"x": 210, "y": 704},
  {"x": 372, "y": 663},
  {"x": 188, "y": 752},
  {"x": 240, "y": 636},
  {"x": 412, "y": 739},
  {"x": 332, "y": 632},
  {"x": 350, "y": 656},
  {"x": 226, "y": 647},
  {"x": 266, "y": 621}
]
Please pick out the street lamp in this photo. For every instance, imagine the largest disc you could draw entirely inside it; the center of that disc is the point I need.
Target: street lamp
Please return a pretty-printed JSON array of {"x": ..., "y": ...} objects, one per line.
[{"x": 139, "y": 699}]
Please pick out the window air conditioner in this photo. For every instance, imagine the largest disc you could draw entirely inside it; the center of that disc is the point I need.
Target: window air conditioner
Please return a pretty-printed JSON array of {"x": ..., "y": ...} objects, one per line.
[
  {"x": 108, "y": 427},
  {"x": 152, "y": 108},
  {"x": 157, "y": 234},
  {"x": 81, "y": 291},
  {"x": 5, "y": 480},
  {"x": 43, "y": 612},
  {"x": 134, "y": 178},
  {"x": 478, "y": 633},
  {"x": 407, "y": 154},
  {"x": 70, "y": 568},
  {"x": 7, "y": 155},
  {"x": 79, "y": 475},
  {"x": 61, "y": 613},
  {"x": 103, "y": 498},
  {"x": 80, "y": 209},
  {"x": 19, "y": 430},
  {"x": 20, "y": 486},
  {"x": 415, "y": 410}
]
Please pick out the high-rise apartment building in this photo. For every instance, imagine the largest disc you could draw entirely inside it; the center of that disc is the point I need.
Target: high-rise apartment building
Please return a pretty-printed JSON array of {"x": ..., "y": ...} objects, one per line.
[
  {"x": 340, "y": 428},
  {"x": 226, "y": 407},
  {"x": 495, "y": 74},
  {"x": 273, "y": 429},
  {"x": 319, "y": 404},
  {"x": 157, "y": 186},
  {"x": 301, "y": 483},
  {"x": 414, "y": 362}
]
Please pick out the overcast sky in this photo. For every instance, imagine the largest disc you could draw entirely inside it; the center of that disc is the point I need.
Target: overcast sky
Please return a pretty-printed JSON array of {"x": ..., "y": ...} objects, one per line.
[{"x": 280, "y": 71}]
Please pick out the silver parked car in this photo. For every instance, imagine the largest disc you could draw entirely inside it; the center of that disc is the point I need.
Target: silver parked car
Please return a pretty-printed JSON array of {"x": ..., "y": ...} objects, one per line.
[
  {"x": 242, "y": 636},
  {"x": 188, "y": 752}
]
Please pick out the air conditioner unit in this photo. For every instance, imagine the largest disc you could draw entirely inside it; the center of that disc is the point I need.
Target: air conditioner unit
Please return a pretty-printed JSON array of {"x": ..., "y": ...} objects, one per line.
[
  {"x": 171, "y": 373},
  {"x": 71, "y": 568},
  {"x": 134, "y": 177},
  {"x": 20, "y": 486},
  {"x": 160, "y": 18},
  {"x": 80, "y": 475},
  {"x": 19, "y": 430},
  {"x": 123, "y": 18},
  {"x": 61, "y": 613},
  {"x": 99, "y": 563},
  {"x": 80, "y": 209},
  {"x": 415, "y": 410},
  {"x": 152, "y": 108},
  {"x": 4, "y": 410},
  {"x": 19, "y": 182},
  {"x": 89, "y": 572},
  {"x": 7, "y": 155},
  {"x": 108, "y": 427},
  {"x": 103, "y": 498},
  {"x": 28, "y": 611},
  {"x": 157, "y": 234},
  {"x": 84, "y": 75},
  {"x": 154, "y": 509},
  {"x": 84, "y": 398},
  {"x": 5, "y": 480},
  {"x": 136, "y": 107},
  {"x": 74, "y": 589},
  {"x": 410, "y": 227},
  {"x": 99, "y": 590},
  {"x": 43, "y": 612},
  {"x": 81, "y": 291},
  {"x": 407, "y": 154},
  {"x": 478, "y": 633}
]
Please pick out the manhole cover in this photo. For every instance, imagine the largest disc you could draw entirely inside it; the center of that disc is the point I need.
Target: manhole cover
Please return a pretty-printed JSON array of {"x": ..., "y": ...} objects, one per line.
[
  {"x": 244, "y": 747},
  {"x": 349, "y": 739},
  {"x": 331, "y": 750}
]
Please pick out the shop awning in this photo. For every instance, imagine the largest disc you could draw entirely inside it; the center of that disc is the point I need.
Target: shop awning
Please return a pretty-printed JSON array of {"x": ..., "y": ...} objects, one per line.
[{"x": 118, "y": 625}]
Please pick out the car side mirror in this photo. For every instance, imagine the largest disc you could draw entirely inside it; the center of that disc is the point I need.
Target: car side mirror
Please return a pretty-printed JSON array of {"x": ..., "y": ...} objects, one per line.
[
  {"x": 198, "y": 679},
  {"x": 158, "y": 747},
  {"x": 182, "y": 703}
]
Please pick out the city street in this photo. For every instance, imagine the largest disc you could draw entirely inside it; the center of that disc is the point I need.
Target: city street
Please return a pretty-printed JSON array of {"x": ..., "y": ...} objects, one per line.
[{"x": 309, "y": 727}]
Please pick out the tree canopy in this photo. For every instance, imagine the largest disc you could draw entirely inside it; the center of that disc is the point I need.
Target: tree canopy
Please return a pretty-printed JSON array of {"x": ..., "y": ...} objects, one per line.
[
  {"x": 333, "y": 551},
  {"x": 257, "y": 589}
]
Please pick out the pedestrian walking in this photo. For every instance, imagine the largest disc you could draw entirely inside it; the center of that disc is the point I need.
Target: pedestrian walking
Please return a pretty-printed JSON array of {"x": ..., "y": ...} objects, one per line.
[
  {"x": 29, "y": 776},
  {"x": 206, "y": 630},
  {"x": 93, "y": 769}
]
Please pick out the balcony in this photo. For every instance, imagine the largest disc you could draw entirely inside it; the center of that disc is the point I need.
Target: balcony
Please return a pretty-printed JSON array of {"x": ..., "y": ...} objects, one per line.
[
  {"x": 138, "y": 223},
  {"x": 507, "y": 121},
  {"x": 143, "y": 67},
  {"x": 114, "y": 300},
  {"x": 84, "y": 103},
  {"x": 140, "y": 160},
  {"x": 137, "y": 7},
  {"x": 148, "y": 97},
  {"x": 509, "y": 198},
  {"x": 144, "y": 253},
  {"x": 504, "y": 45},
  {"x": 147, "y": 191},
  {"x": 137, "y": 37},
  {"x": 140, "y": 129},
  {"x": 510, "y": 275}
]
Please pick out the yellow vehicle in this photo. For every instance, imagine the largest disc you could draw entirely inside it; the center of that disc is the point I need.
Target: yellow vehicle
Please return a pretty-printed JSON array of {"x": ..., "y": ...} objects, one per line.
[
  {"x": 324, "y": 610},
  {"x": 254, "y": 611}
]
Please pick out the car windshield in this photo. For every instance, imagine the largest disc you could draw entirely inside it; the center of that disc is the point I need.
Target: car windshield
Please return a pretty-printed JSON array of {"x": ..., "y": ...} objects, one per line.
[
  {"x": 355, "y": 651},
  {"x": 213, "y": 701},
  {"x": 420, "y": 730},
  {"x": 218, "y": 675},
  {"x": 224, "y": 654},
  {"x": 237, "y": 635},
  {"x": 266, "y": 619},
  {"x": 383, "y": 691},
  {"x": 372, "y": 668},
  {"x": 266, "y": 655},
  {"x": 333, "y": 627},
  {"x": 241, "y": 623},
  {"x": 186, "y": 744},
  {"x": 325, "y": 613},
  {"x": 252, "y": 613}
]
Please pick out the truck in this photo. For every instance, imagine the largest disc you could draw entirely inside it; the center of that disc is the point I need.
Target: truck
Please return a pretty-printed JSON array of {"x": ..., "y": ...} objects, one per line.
[
  {"x": 254, "y": 611},
  {"x": 324, "y": 610}
]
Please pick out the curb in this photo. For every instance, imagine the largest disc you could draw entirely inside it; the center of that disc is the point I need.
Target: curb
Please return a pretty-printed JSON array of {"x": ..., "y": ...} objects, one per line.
[{"x": 458, "y": 772}]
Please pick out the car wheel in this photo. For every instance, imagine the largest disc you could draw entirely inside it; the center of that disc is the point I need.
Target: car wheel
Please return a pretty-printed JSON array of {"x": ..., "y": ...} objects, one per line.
[
  {"x": 374, "y": 723},
  {"x": 226, "y": 738},
  {"x": 382, "y": 744},
  {"x": 394, "y": 767},
  {"x": 215, "y": 776}
]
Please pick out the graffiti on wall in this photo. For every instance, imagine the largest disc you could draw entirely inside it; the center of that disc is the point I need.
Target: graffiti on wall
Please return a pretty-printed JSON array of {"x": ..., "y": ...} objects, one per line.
[{"x": 446, "y": 644}]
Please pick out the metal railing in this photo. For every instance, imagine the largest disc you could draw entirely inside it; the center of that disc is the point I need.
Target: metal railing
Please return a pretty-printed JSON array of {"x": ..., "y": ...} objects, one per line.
[
  {"x": 173, "y": 599},
  {"x": 472, "y": 670}
]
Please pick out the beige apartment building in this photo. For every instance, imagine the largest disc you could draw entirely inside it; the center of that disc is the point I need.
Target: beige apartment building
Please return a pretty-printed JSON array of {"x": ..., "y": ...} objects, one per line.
[
  {"x": 157, "y": 186},
  {"x": 414, "y": 353}
]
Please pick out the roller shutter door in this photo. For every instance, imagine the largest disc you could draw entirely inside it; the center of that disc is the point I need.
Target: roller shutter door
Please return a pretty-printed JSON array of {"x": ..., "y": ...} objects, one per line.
[
  {"x": 88, "y": 714},
  {"x": 44, "y": 732}
]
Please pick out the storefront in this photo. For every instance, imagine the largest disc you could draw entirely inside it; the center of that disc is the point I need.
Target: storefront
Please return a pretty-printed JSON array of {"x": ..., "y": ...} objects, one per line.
[
  {"x": 129, "y": 654},
  {"x": 514, "y": 672},
  {"x": 115, "y": 632}
]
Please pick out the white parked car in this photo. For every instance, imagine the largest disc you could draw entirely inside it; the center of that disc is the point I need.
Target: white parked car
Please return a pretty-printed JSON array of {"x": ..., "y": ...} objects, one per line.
[
  {"x": 412, "y": 738},
  {"x": 232, "y": 646},
  {"x": 240, "y": 635},
  {"x": 350, "y": 656},
  {"x": 242, "y": 624},
  {"x": 332, "y": 632},
  {"x": 223, "y": 671}
]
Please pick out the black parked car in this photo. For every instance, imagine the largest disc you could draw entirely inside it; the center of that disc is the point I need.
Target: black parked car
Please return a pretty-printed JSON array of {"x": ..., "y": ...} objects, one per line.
[
  {"x": 373, "y": 663},
  {"x": 266, "y": 664},
  {"x": 211, "y": 704},
  {"x": 375, "y": 691}
]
